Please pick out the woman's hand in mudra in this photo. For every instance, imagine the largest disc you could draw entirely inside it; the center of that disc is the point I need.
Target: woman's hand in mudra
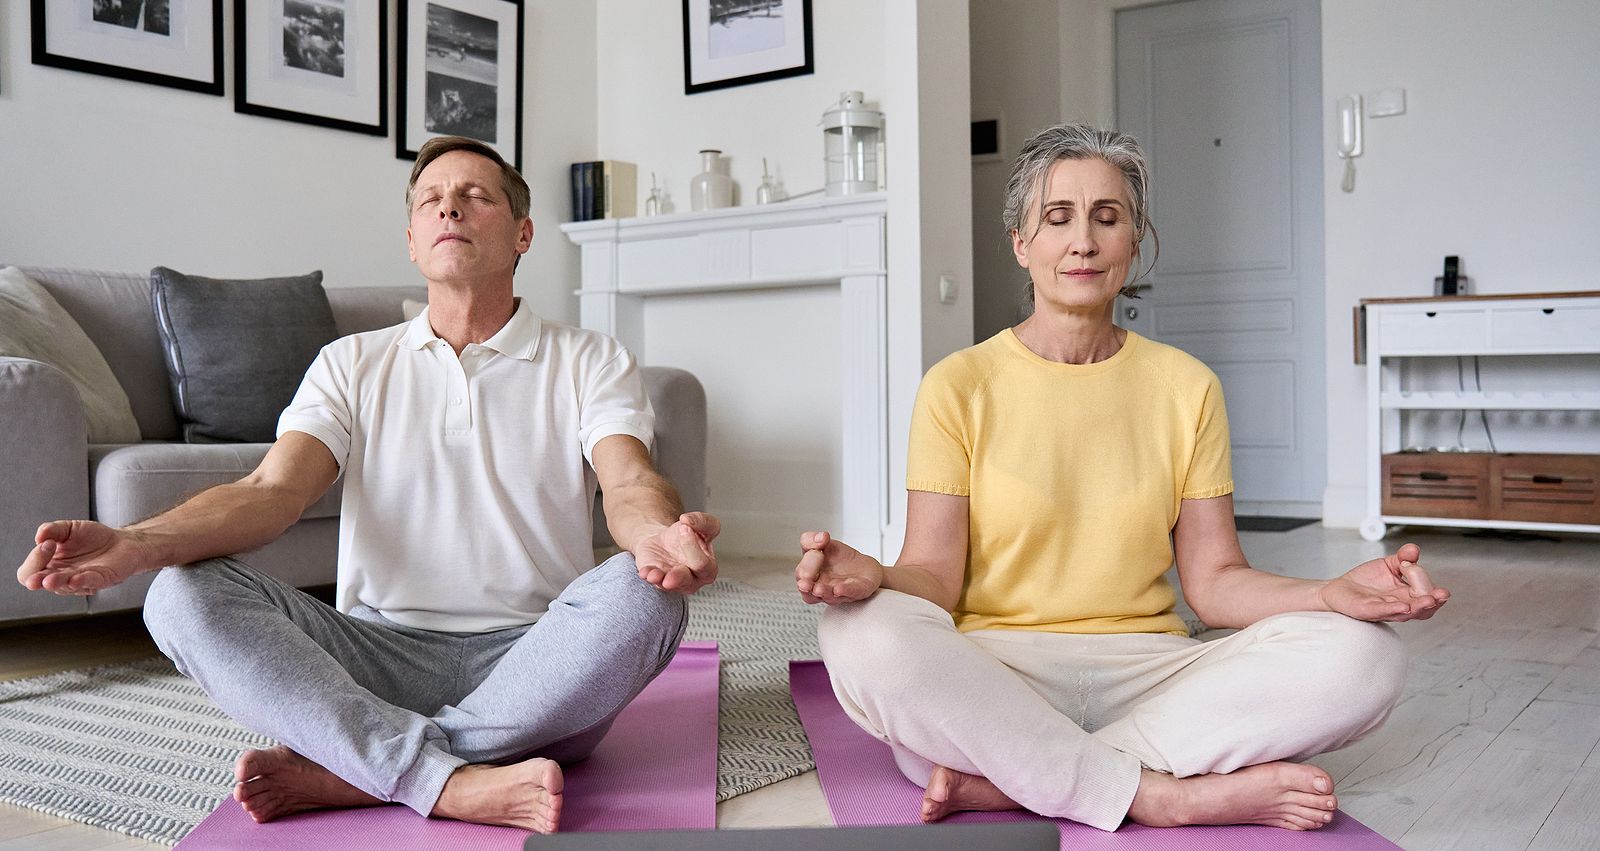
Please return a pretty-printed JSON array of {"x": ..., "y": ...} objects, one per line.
[
  {"x": 1392, "y": 588},
  {"x": 831, "y": 572}
]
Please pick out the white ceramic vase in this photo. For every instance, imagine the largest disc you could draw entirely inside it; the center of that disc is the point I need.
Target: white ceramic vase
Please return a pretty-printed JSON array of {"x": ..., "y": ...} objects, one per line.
[{"x": 712, "y": 187}]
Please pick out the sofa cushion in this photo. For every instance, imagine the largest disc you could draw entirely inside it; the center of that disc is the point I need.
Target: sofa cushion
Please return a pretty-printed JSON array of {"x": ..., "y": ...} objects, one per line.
[
  {"x": 34, "y": 326},
  {"x": 132, "y": 483},
  {"x": 237, "y": 350}
]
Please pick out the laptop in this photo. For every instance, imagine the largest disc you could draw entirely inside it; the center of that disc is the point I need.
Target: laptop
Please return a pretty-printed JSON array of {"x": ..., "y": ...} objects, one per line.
[{"x": 1021, "y": 836}]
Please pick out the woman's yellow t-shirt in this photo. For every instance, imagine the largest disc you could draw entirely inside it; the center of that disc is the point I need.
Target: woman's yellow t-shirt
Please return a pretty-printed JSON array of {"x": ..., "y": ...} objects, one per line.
[{"x": 1074, "y": 475}]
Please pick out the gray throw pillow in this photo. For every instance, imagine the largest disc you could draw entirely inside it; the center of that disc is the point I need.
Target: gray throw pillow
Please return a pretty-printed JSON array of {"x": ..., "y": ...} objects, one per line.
[{"x": 236, "y": 351}]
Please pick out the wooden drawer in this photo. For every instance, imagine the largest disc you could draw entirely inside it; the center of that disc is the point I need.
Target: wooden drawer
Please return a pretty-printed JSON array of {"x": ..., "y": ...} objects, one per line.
[
  {"x": 1436, "y": 484},
  {"x": 1545, "y": 488}
]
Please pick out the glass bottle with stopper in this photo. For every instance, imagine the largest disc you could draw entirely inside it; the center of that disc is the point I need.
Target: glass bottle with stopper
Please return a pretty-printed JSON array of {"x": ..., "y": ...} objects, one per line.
[
  {"x": 768, "y": 191},
  {"x": 652, "y": 204},
  {"x": 850, "y": 135}
]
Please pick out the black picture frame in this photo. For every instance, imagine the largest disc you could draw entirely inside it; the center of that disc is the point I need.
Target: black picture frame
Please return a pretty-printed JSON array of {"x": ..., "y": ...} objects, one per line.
[
  {"x": 706, "y": 68},
  {"x": 80, "y": 48},
  {"x": 416, "y": 119},
  {"x": 325, "y": 106}
]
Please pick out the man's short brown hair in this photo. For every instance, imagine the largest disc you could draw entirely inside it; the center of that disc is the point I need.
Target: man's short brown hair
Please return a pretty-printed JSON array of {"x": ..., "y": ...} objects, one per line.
[{"x": 511, "y": 182}]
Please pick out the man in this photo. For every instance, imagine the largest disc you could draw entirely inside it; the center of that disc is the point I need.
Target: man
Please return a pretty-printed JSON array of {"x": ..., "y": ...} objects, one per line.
[{"x": 472, "y": 650}]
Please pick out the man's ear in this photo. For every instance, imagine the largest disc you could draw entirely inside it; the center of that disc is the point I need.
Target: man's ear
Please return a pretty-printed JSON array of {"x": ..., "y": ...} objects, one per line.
[
  {"x": 411, "y": 246},
  {"x": 525, "y": 236}
]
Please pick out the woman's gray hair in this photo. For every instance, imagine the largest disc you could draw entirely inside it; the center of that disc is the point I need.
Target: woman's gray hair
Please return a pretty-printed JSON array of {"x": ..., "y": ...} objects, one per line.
[{"x": 1079, "y": 142}]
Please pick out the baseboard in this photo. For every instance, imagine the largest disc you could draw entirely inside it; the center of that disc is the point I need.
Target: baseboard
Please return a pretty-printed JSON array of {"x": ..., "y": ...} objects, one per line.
[
  {"x": 1277, "y": 508},
  {"x": 1344, "y": 506}
]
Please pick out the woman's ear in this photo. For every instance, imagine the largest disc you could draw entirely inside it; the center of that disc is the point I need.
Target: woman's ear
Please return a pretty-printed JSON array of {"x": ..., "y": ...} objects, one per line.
[{"x": 1019, "y": 247}]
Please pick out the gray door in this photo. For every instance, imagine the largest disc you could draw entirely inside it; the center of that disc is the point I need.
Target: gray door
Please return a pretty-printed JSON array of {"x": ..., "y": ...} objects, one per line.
[{"x": 1225, "y": 96}]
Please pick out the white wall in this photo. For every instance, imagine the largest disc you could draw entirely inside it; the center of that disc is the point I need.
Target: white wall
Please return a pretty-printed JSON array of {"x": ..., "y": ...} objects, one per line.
[
  {"x": 645, "y": 118},
  {"x": 1494, "y": 160},
  {"x": 1016, "y": 48},
  {"x": 110, "y": 174},
  {"x": 929, "y": 228}
]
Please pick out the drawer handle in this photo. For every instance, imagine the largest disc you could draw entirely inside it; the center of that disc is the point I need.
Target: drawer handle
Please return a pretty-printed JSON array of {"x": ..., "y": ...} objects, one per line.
[
  {"x": 1547, "y": 310},
  {"x": 1432, "y": 476},
  {"x": 1546, "y": 480},
  {"x": 1432, "y": 313}
]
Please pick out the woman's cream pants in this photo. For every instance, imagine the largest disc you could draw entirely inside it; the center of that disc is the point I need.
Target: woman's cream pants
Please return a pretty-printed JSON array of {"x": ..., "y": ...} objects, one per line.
[{"x": 1063, "y": 723}]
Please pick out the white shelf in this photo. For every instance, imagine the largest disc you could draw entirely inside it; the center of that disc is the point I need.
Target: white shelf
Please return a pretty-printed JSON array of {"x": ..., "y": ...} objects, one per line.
[{"x": 1422, "y": 400}]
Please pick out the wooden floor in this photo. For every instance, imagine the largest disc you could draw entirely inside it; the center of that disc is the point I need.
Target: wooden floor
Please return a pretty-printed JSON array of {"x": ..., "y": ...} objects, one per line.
[{"x": 1496, "y": 744}]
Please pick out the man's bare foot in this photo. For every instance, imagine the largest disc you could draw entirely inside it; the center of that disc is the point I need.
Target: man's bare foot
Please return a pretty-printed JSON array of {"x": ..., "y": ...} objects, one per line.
[
  {"x": 950, "y": 791},
  {"x": 277, "y": 781},
  {"x": 526, "y": 794},
  {"x": 1277, "y": 794}
]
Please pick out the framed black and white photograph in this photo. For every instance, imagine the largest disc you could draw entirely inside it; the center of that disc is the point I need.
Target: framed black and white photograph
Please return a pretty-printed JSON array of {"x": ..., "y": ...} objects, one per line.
[
  {"x": 739, "y": 42},
  {"x": 175, "y": 43},
  {"x": 460, "y": 74},
  {"x": 322, "y": 62}
]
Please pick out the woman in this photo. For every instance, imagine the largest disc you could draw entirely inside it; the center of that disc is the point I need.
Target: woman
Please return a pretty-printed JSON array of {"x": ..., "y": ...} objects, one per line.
[{"x": 1023, "y": 650}]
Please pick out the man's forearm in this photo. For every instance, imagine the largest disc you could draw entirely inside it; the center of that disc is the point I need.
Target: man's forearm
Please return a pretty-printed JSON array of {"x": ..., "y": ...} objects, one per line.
[
  {"x": 221, "y": 521},
  {"x": 1240, "y": 596},
  {"x": 640, "y": 508}
]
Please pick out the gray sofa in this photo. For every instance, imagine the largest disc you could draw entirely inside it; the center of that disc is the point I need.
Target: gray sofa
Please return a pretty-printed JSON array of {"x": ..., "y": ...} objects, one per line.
[{"x": 52, "y": 473}]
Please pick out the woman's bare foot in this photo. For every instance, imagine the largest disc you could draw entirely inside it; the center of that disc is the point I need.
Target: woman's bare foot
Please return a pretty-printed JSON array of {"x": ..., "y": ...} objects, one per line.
[
  {"x": 1277, "y": 794},
  {"x": 950, "y": 791},
  {"x": 526, "y": 794},
  {"x": 277, "y": 781}
]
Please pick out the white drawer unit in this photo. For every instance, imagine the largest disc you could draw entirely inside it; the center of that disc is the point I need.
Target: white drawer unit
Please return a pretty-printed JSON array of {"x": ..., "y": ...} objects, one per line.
[{"x": 1543, "y": 352}]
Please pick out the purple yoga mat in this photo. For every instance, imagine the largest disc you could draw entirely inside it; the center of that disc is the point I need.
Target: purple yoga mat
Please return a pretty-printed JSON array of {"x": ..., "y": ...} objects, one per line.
[
  {"x": 863, "y": 787},
  {"x": 655, "y": 770}
]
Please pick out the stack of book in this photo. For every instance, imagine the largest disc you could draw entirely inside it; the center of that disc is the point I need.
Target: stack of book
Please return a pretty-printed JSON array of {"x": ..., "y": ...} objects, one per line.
[{"x": 604, "y": 189}]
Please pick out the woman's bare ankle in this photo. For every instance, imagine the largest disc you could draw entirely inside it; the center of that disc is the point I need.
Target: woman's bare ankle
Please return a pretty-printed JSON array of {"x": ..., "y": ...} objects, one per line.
[{"x": 1156, "y": 803}]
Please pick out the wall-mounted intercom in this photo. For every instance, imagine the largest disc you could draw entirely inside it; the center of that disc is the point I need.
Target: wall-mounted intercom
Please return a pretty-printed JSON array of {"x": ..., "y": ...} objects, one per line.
[{"x": 1349, "y": 138}]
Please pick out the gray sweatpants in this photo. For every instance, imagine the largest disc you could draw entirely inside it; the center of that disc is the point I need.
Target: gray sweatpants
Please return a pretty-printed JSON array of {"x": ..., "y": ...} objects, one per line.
[{"x": 395, "y": 710}]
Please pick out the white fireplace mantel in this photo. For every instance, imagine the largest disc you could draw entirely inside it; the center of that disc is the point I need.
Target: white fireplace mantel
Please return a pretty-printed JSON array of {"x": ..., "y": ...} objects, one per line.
[{"x": 802, "y": 243}]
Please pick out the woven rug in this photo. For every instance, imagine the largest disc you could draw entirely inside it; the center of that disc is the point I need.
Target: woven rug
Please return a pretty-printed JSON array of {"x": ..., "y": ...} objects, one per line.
[{"x": 138, "y": 748}]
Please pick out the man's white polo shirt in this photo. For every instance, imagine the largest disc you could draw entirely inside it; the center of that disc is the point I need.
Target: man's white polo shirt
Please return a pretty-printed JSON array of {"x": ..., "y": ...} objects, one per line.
[{"x": 467, "y": 488}]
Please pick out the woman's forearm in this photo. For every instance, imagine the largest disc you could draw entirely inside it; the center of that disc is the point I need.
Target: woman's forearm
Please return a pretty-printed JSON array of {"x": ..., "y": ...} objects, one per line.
[
  {"x": 920, "y": 582},
  {"x": 1240, "y": 596}
]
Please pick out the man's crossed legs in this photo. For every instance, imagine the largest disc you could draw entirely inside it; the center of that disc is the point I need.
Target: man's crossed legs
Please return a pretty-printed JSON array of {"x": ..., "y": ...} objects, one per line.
[{"x": 472, "y": 726}]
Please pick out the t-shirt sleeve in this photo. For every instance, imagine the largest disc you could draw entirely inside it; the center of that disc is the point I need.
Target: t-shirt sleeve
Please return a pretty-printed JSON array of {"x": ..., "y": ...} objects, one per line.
[
  {"x": 939, "y": 456},
  {"x": 612, "y": 401},
  {"x": 321, "y": 407},
  {"x": 1211, "y": 466}
]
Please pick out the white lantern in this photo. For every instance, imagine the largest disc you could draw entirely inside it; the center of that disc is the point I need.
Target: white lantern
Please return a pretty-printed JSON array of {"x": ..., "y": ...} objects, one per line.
[{"x": 851, "y": 134}]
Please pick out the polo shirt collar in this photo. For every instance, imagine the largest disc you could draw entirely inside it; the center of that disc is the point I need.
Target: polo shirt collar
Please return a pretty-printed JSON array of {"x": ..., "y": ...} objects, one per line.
[{"x": 518, "y": 338}]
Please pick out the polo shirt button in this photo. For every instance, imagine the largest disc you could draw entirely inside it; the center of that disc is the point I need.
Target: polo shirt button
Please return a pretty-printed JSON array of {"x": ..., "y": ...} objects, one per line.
[{"x": 455, "y": 401}]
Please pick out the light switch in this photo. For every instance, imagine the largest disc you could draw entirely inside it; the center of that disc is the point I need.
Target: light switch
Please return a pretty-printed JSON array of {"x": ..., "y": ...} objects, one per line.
[
  {"x": 947, "y": 290},
  {"x": 1381, "y": 104}
]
